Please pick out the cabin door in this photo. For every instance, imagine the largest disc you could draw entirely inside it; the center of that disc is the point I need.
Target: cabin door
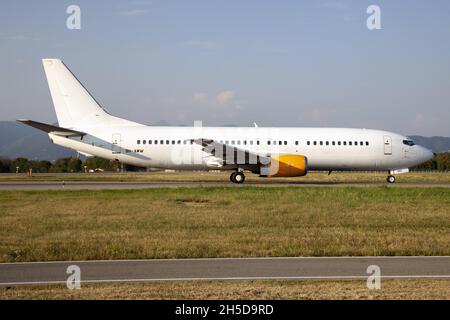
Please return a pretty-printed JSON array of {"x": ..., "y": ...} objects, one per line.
[
  {"x": 387, "y": 145},
  {"x": 115, "y": 145}
]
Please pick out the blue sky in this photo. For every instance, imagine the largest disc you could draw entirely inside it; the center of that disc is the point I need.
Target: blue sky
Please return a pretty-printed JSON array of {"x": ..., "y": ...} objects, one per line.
[{"x": 277, "y": 63}]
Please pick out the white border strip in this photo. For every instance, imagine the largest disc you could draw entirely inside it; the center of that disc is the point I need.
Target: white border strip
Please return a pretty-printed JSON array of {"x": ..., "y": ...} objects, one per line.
[{"x": 229, "y": 278}]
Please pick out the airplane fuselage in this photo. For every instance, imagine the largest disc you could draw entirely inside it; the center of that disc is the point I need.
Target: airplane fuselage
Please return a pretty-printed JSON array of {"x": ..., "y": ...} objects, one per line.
[{"x": 325, "y": 148}]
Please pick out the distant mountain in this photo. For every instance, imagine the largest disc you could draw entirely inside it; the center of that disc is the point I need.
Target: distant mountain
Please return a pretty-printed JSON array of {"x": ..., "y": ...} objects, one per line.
[
  {"x": 436, "y": 144},
  {"x": 19, "y": 140}
]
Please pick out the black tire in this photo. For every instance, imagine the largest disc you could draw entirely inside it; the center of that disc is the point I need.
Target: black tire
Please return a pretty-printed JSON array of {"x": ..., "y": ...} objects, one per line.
[
  {"x": 239, "y": 177},
  {"x": 390, "y": 179},
  {"x": 232, "y": 175}
]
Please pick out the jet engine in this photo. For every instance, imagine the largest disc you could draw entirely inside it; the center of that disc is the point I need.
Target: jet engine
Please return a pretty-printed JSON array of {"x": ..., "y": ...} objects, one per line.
[{"x": 289, "y": 165}]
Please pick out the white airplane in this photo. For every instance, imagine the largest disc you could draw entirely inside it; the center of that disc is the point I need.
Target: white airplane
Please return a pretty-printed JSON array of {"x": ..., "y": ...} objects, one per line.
[{"x": 84, "y": 126}]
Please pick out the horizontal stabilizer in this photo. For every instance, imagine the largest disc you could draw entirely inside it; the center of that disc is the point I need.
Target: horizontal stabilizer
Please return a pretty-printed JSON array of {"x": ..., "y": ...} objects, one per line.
[{"x": 53, "y": 129}]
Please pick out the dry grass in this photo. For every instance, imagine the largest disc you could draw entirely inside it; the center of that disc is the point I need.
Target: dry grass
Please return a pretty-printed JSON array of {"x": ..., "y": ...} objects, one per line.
[
  {"x": 223, "y": 222},
  {"x": 338, "y": 177},
  {"x": 390, "y": 289}
]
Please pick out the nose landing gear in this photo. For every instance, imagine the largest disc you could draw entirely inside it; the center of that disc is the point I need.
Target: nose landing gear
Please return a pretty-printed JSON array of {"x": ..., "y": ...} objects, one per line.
[
  {"x": 237, "y": 177},
  {"x": 390, "y": 179}
]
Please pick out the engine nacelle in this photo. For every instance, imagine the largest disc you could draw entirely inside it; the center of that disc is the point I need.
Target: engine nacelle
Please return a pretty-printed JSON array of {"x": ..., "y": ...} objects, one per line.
[{"x": 289, "y": 165}]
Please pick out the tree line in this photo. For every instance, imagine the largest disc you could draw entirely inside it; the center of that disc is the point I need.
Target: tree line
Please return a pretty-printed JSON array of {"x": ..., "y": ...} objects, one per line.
[
  {"x": 70, "y": 164},
  {"x": 440, "y": 162}
]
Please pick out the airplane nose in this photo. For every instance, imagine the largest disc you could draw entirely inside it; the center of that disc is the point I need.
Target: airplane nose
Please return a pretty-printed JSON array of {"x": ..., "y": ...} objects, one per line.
[{"x": 427, "y": 154}]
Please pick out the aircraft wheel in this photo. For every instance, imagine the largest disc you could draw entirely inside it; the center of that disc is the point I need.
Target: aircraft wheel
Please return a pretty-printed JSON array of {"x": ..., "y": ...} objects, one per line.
[
  {"x": 232, "y": 176},
  {"x": 239, "y": 177},
  {"x": 390, "y": 179}
]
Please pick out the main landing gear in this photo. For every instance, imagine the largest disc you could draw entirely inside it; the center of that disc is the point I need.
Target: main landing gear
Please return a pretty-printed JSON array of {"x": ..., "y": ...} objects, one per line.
[
  {"x": 390, "y": 179},
  {"x": 237, "y": 177}
]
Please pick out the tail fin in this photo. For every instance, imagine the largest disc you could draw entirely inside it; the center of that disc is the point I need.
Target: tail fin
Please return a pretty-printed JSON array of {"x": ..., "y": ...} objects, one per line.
[{"x": 73, "y": 104}]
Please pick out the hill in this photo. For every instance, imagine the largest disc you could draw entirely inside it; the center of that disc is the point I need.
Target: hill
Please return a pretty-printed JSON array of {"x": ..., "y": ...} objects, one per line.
[{"x": 18, "y": 140}]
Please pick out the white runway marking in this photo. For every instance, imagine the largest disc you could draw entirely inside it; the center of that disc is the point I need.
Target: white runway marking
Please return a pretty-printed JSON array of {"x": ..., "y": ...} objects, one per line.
[{"x": 225, "y": 279}]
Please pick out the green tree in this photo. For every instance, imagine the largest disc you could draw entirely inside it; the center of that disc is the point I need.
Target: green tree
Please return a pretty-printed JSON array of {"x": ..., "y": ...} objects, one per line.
[
  {"x": 21, "y": 163},
  {"x": 443, "y": 161},
  {"x": 100, "y": 163},
  {"x": 60, "y": 165},
  {"x": 74, "y": 165},
  {"x": 44, "y": 166},
  {"x": 5, "y": 164},
  {"x": 440, "y": 162},
  {"x": 426, "y": 166}
]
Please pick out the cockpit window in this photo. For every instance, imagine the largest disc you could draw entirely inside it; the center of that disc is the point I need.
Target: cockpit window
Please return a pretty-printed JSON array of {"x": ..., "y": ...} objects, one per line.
[{"x": 408, "y": 142}]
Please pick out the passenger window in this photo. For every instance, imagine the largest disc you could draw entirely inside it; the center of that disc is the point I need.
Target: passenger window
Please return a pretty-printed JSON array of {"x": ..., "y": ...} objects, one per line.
[
  {"x": 333, "y": 143},
  {"x": 139, "y": 142},
  {"x": 361, "y": 143},
  {"x": 308, "y": 143},
  {"x": 367, "y": 143},
  {"x": 356, "y": 143},
  {"x": 268, "y": 142},
  {"x": 327, "y": 143},
  {"x": 315, "y": 143},
  {"x": 344, "y": 143},
  {"x": 161, "y": 142},
  {"x": 245, "y": 142},
  {"x": 257, "y": 142},
  {"x": 179, "y": 141},
  {"x": 149, "y": 141},
  {"x": 239, "y": 142},
  {"x": 349, "y": 143},
  {"x": 321, "y": 143},
  {"x": 144, "y": 141},
  {"x": 173, "y": 141},
  {"x": 339, "y": 143},
  {"x": 251, "y": 142},
  {"x": 296, "y": 143},
  {"x": 285, "y": 143}
]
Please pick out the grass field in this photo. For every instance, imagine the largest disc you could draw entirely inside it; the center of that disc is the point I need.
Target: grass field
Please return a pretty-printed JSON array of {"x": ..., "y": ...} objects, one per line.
[
  {"x": 223, "y": 222},
  {"x": 390, "y": 289},
  {"x": 341, "y": 177}
]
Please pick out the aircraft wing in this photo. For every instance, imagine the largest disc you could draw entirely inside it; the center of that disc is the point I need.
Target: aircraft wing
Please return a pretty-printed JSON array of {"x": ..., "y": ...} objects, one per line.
[
  {"x": 53, "y": 129},
  {"x": 231, "y": 156}
]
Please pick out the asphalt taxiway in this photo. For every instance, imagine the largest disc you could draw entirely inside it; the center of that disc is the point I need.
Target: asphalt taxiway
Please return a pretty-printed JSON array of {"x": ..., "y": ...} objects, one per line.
[{"x": 296, "y": 268}]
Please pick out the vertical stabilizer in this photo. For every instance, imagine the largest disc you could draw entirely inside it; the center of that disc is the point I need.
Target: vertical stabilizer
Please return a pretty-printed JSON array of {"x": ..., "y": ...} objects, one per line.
[{"x": 73, "y": 104}]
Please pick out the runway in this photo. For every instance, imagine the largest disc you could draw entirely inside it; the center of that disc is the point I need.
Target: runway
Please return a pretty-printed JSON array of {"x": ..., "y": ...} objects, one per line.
[
  {"x": 304, "y": 268},
  {"x": 120, "y": 185}
]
